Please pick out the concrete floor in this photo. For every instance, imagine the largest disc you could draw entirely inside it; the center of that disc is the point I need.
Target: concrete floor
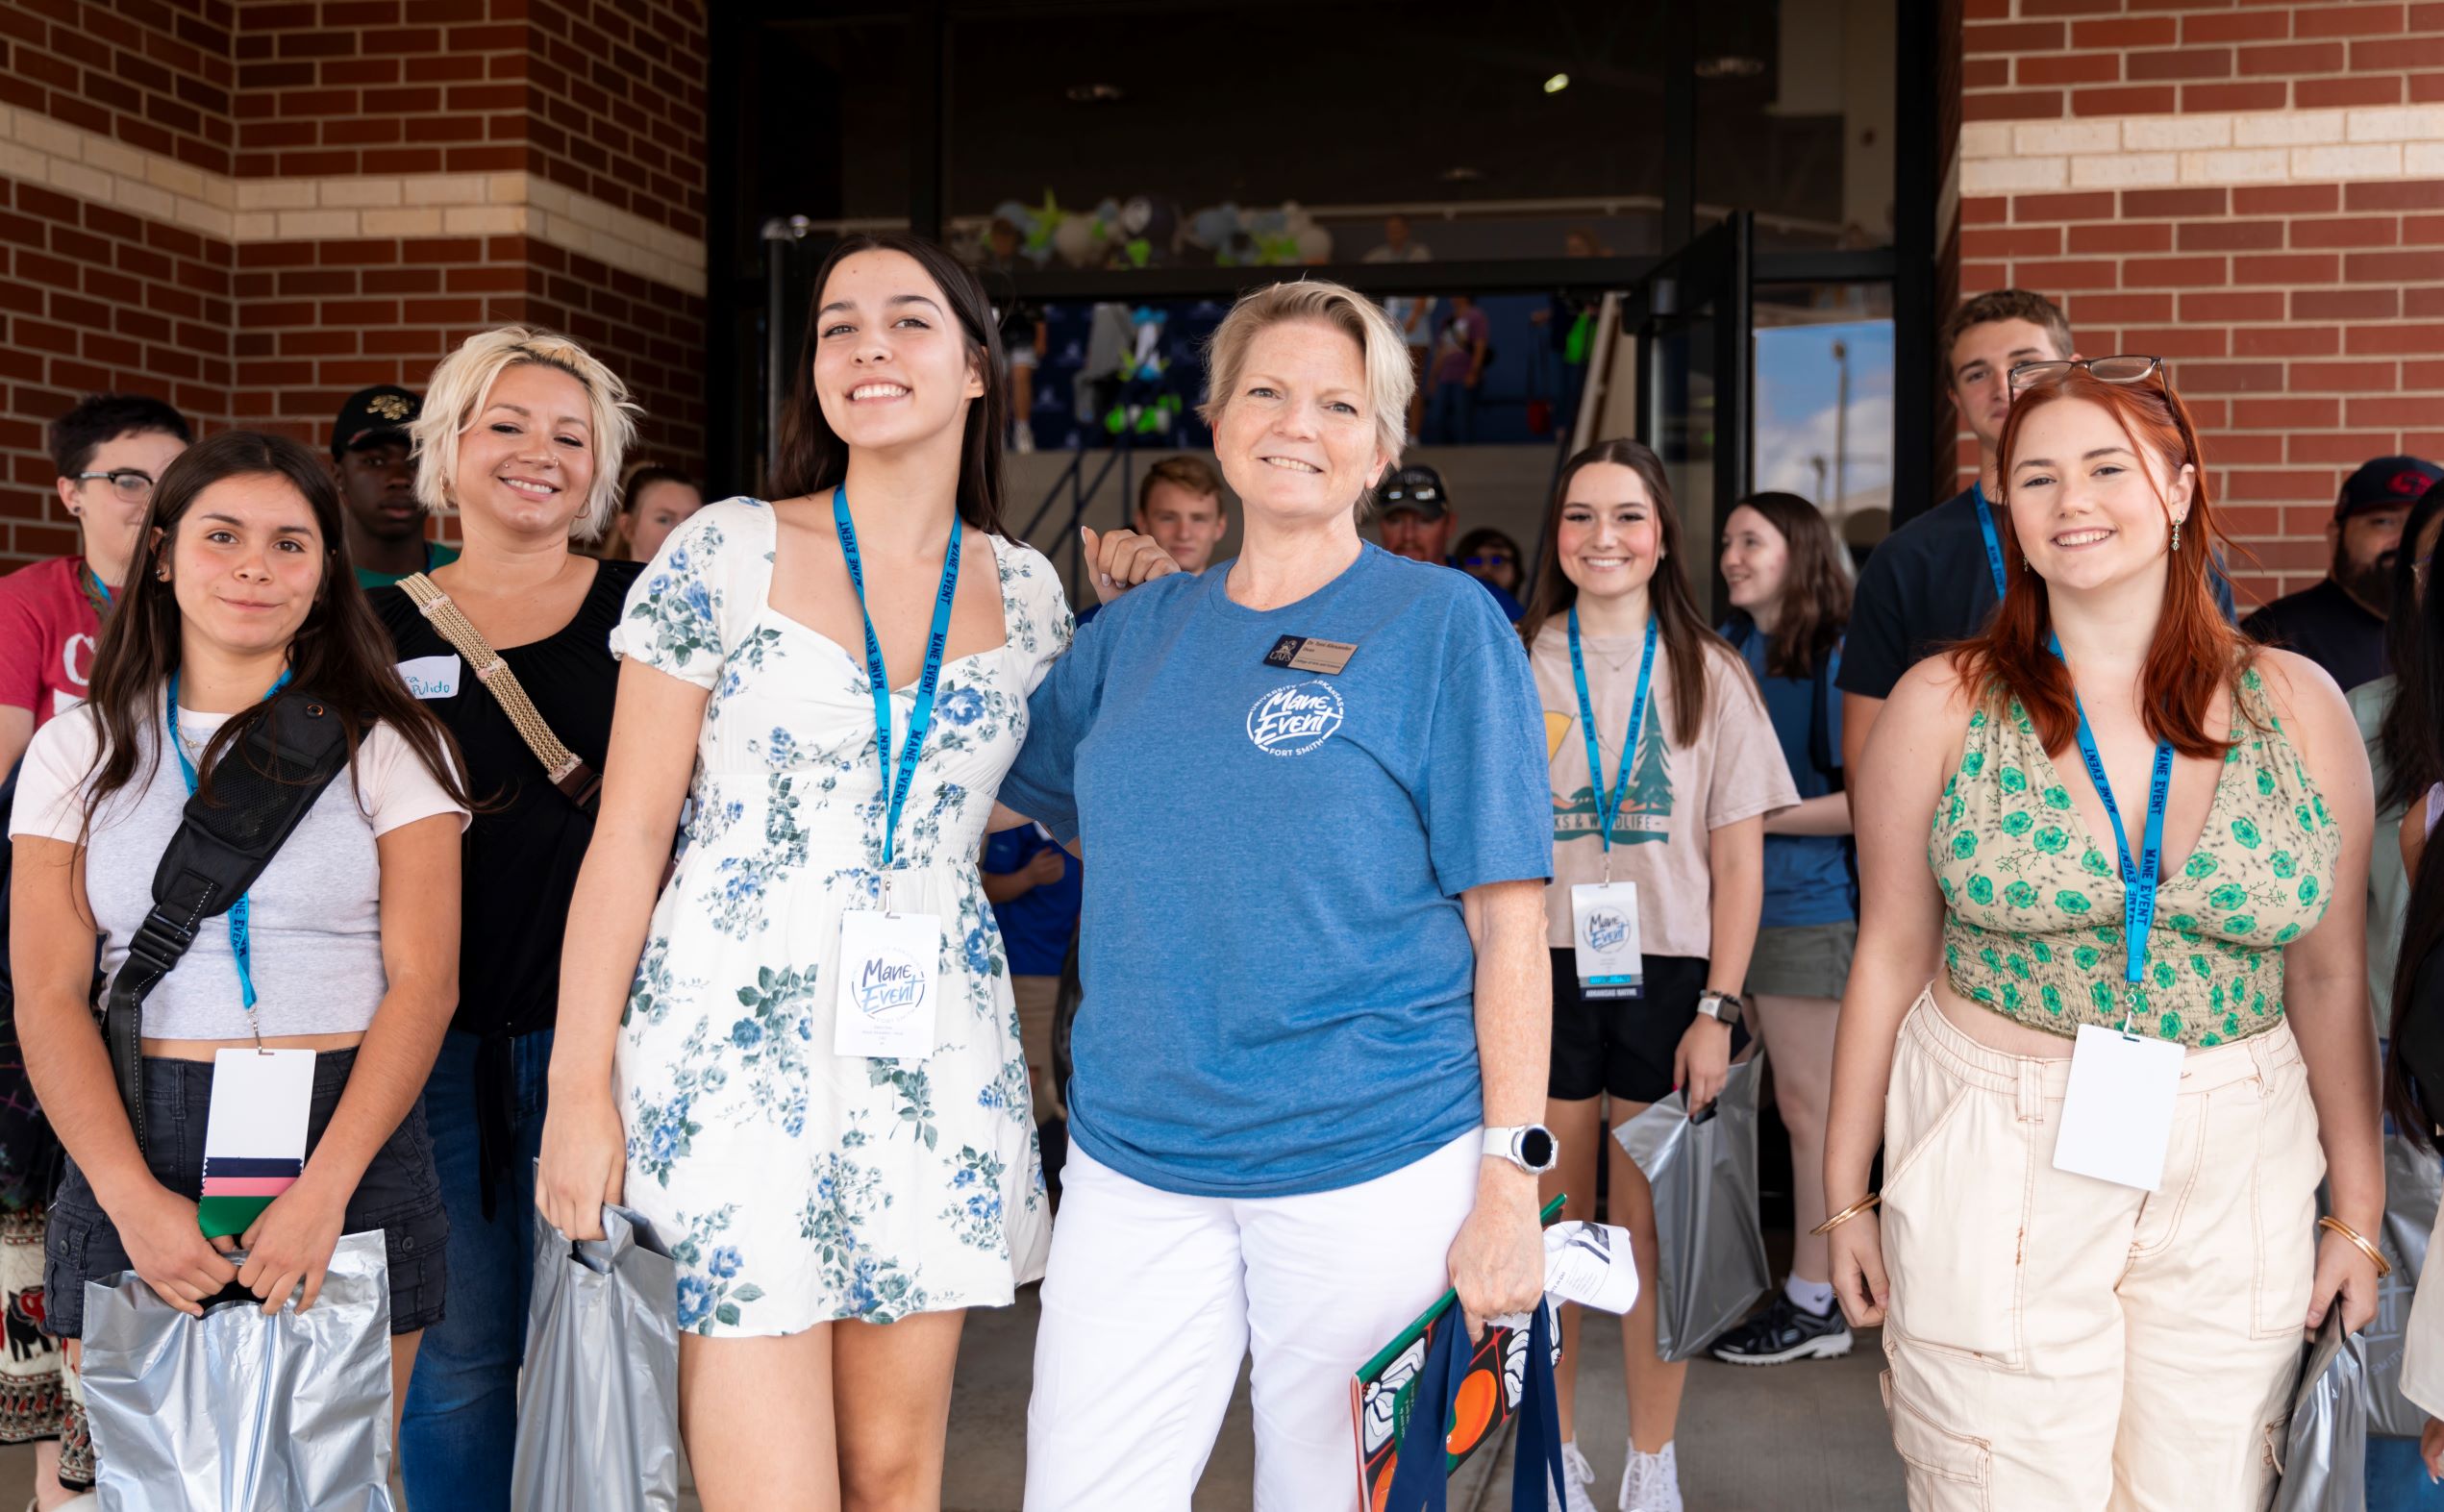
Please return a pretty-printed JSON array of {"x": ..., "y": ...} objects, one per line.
[{"x": 1809, "y": 1437}]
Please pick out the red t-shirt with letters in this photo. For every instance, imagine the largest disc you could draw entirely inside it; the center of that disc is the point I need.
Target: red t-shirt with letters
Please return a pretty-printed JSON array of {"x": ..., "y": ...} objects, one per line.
[{"x": 48, "y": 630}]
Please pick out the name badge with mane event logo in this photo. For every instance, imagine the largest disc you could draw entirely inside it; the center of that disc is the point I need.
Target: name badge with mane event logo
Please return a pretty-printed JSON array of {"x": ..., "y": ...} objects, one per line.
[
  {"x": 1603, "y": 929},
  {"x": 888, "y": 962}
]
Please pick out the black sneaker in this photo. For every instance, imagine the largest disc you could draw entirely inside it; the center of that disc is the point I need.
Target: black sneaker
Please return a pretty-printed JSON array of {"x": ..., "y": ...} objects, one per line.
[{"x": 1785, "y": 1331}]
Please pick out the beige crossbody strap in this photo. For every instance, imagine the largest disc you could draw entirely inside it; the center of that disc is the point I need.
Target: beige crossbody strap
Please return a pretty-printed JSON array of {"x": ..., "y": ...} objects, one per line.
[{"x": 567, "y": 771}]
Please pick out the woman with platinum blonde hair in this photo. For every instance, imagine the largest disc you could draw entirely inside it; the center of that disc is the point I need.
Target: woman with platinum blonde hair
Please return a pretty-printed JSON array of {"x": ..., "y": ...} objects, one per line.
[
  {"x": 1291, "y": 1049},
  {"x": 521, "y": 436}
]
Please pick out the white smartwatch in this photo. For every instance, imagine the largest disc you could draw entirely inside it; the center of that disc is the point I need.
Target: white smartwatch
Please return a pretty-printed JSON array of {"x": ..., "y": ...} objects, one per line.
[
  {"x": 1723, "y": 1007},
  {"x": 1531, "y": 1146}
]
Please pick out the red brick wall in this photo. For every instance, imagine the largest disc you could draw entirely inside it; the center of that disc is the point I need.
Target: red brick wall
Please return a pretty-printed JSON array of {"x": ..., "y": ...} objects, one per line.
[
  {"x": 94, "y": 299},
  {"x": 151, "y": 73},
  {"x": 604, "y": 100},
  {"x": 322, "y": 319},
  {"x": 2305, "y": 316}
]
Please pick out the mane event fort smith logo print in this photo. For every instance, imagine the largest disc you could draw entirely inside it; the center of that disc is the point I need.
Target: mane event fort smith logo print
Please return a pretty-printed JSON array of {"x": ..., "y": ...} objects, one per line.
[{"x": 1295, "y": 719}]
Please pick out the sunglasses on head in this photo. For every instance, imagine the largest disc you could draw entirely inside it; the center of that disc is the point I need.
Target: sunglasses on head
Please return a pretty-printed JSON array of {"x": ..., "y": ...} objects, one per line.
[{"x": 2125, "y": 369}]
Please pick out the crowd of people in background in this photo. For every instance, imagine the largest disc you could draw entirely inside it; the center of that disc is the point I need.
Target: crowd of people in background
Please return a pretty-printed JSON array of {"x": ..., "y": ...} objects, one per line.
[{"x": 635, "y": 796}]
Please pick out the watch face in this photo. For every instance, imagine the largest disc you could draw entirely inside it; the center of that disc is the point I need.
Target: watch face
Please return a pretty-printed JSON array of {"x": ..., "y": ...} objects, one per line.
[{"x": 1536, "y": 1146}]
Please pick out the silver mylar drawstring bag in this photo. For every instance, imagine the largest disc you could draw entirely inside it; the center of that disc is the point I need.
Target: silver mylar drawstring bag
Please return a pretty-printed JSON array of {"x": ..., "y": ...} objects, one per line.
[{"x": 239, "y": 1412}]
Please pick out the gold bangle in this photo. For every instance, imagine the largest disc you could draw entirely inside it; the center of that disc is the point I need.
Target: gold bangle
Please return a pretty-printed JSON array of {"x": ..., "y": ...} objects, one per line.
[
  {"x": 1846, "y": 1214},
  {"x": 2383, "y": 1266}
]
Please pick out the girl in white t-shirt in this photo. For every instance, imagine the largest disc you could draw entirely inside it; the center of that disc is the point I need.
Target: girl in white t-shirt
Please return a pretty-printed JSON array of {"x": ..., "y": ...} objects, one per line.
[{"x": 240, "y": 584}]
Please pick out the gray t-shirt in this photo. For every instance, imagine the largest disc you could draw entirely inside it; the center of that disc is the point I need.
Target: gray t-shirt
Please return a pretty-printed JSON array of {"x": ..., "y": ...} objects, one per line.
[{"x": 315, "y": 913}]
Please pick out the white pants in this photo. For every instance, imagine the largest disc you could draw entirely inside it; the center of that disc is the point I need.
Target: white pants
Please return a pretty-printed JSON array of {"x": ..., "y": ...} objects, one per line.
[{"x": 1152, "y": 1300}]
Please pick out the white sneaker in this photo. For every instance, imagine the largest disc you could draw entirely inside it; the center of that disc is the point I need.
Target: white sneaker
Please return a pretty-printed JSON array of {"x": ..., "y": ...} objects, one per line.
[
  {"x": 1577, "y": 1474},
  {"x": 1651, "y": 1482}
]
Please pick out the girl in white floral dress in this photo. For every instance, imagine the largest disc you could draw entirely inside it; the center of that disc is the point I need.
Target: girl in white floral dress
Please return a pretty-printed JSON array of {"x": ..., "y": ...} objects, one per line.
[{"x": 806, "y": 1194}]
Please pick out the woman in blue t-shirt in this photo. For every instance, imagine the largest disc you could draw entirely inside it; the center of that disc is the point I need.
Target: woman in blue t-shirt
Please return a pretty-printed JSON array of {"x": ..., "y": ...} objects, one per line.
[
  {"x": 1790, "y": 599},
  {"x": 1311, "y": 781}
]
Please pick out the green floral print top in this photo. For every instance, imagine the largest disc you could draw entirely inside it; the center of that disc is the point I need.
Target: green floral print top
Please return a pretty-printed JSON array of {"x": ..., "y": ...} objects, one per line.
[{"x": 2033, "y": 921}]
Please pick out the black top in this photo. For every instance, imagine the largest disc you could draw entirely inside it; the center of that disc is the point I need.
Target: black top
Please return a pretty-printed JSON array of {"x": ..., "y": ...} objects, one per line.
[
  {"x": 2327, "y": 626},
  {"x": 1927, "y": 585},
  {"x": 521, "y": 857}
]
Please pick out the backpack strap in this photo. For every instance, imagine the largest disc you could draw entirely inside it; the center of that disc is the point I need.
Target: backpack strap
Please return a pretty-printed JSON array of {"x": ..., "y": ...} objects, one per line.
[
  {"x": 567, "y": 771},
  {"x": 220, "y": 848}
]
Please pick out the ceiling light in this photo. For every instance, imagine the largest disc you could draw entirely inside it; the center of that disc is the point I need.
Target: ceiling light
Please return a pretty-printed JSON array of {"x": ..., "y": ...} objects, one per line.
[
  {"x": 1557, "y": 84},
  {"x": 1460, "y": 173},
  {"x": 1730, "y": 66},
  {"x": 1096, "y": 93}
]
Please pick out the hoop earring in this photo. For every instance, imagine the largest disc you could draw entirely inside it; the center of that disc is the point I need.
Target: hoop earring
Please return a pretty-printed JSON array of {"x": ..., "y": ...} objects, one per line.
[{"x": 2176, "y": 535}]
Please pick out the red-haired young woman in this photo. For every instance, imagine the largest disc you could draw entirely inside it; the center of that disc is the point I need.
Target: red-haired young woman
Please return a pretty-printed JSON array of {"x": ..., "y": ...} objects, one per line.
[{"x": 2119, "y": 827}]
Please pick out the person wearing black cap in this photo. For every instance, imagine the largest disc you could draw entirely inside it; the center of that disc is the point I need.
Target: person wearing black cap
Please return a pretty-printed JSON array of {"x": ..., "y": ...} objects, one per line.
[
  {"x": 2339, "y": 622},
  {"x": 1418, "y": 523},
  {"x": 373, "y": 461}
]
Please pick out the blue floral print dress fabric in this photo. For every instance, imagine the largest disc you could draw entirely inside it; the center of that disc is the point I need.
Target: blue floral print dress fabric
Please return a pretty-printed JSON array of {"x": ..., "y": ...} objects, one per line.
[{"x": 795, "y": 1186}]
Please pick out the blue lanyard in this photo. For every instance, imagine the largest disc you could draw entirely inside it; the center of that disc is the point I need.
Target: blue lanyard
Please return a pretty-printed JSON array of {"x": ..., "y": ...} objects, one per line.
[
  {"x": 1607, "y": 807},
  {"x": 2140, "y": 879},
  {"x": 240, "y": 942},
  {"x": 921, "y": 717},
  {"x": 1993, "y": 542}
]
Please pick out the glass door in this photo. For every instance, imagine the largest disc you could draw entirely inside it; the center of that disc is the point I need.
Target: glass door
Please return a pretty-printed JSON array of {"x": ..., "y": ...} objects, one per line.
[{"x": 1696, "y": 381}]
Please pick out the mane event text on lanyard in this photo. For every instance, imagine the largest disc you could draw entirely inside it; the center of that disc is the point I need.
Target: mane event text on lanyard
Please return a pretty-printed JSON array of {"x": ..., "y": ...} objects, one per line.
[
  {"x": 2117, "y": 1112},
  {"x": 1604, "y": 915},
  {"x": 888, "y": 959}
]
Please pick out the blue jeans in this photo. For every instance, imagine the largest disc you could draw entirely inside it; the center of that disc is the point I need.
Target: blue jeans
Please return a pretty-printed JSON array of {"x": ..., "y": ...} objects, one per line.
[
  {"x": 460, "y": 1431},
  {"x": 2396, "y": 1478},
  {"x": 1451, "y": 415}
]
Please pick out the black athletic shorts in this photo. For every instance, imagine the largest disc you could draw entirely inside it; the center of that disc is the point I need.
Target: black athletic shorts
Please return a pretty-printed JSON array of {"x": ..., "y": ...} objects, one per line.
[
  {"x": 1621, "y": 1046},
  {"x": 399, "y": 1194}
]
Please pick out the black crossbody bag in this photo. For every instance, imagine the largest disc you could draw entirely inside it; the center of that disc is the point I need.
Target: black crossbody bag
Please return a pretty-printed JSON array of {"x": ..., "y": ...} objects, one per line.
[{"x": 258, "y": 793}]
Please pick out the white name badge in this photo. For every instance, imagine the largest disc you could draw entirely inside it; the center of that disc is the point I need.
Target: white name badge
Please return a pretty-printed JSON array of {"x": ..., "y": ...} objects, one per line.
[
  {"x": 1604, "y": 929},
  {"x": 888, "y": 962},
  {"x": 261, "y": 1103},
  {"x": 432, "y": 677},
  {"x": 2117, "y": 1116}
]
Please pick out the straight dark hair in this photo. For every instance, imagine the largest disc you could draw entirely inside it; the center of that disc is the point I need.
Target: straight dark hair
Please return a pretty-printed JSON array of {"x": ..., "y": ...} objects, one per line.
[
  {"x": 1685, "y": 637},
  {"x": 2410, "y": 737},
  {"x": 2422, "y": 932},
  {"x": 339, "y": 655},
  {"x": 813, "y": 459},
  {"x": 1816, "y": 606}
]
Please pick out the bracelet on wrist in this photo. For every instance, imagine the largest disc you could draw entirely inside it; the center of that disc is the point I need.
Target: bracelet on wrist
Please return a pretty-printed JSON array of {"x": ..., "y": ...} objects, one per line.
[
  {"x": 1848, "y": 1213},
  {"x": 2376, "y": 1257}
]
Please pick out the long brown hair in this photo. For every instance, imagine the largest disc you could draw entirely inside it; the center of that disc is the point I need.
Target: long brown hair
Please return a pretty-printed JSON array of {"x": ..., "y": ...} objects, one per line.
[
  {"x": 813, "y": 459},
  {"x": 1816, "y": 596},
  {"x": 1682, "y": 630},
  {"x": 339, "y": 655},
  {"x": 2195, "y": 650}
]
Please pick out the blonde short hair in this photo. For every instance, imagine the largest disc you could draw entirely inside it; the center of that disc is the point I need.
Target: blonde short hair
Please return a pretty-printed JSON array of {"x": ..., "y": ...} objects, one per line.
[
  {"x": 1389, "y": 378},
  {"x": 456, "y": 390}
]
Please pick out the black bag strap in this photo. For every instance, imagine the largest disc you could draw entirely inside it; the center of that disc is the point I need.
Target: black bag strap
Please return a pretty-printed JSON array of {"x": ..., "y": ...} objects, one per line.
[
  {"x": 1821, "y": 753},
  {"x": 220, "y": 849}
]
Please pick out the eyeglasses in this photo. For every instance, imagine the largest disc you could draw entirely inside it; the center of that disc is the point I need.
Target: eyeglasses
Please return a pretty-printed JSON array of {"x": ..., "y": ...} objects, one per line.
[
  {"x": 2125, "y": 369},
  {"x": 131, "y": 485}
]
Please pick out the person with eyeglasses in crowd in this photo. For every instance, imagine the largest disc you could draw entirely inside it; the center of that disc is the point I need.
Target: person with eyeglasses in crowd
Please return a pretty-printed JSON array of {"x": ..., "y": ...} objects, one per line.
[
  {"x": 1491, "y": 557},
  {"x": 1417, "y": 521},
  {"x": 108, "y": 451},
  {"x": 2338, "y": 621},
  {"x": 2133, "y": 839}
]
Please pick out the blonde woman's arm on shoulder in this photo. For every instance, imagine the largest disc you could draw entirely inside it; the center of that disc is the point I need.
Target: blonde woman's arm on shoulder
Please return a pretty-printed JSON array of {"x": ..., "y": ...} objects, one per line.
[
  {"x": 2325, "y": 981},
  {"x": 1895, "y": 788},
  {"x": 653, "y": 756}
]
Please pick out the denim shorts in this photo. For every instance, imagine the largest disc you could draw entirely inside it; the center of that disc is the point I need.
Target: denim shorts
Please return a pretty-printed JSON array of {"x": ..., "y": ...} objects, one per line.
[{"x": 399, "y": 1194}]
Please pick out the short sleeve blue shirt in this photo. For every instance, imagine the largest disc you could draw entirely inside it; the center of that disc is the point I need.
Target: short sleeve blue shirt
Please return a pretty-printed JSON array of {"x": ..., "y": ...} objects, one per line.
[{"x": 1280, "y": 987}]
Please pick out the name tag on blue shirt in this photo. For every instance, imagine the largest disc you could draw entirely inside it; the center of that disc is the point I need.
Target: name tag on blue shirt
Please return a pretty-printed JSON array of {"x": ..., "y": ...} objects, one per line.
[{"x": 1308, "y": 654}]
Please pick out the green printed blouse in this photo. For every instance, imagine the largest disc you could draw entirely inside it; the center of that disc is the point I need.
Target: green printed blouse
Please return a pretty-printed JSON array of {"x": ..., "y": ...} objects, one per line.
[{"x": 2033, "y": 921}]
